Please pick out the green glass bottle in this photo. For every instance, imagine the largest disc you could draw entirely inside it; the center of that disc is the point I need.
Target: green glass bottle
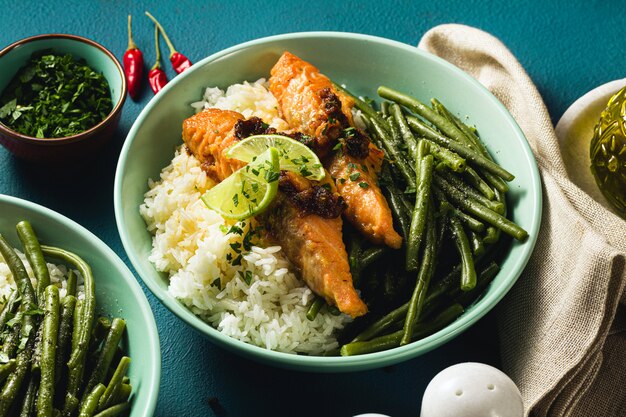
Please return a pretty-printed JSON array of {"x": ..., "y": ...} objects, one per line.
[{"x": 608, "y": 152}]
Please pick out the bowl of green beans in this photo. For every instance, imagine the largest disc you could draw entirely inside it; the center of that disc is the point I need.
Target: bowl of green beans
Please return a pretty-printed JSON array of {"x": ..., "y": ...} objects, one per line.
[
  {"x": 77, "y": 333},
  {"x": 459, "y": 177},
  {"x": 61, "y": 97}
]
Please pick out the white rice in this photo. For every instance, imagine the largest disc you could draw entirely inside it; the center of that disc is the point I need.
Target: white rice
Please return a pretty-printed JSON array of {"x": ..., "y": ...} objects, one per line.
[
  {"x": 58, "y": 275},
  {"x": 191, "y": 244}
]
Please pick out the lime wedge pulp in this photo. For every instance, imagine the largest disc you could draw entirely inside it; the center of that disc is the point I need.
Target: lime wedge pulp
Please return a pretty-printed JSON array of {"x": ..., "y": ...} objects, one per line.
[
  {"x": 249, "y": 190},
  {"x": 293, "y": 155}
]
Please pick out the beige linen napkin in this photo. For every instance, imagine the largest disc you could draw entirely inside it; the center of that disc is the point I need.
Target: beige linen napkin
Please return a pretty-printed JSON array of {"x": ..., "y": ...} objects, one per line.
[{"x": 562, "y": 328}]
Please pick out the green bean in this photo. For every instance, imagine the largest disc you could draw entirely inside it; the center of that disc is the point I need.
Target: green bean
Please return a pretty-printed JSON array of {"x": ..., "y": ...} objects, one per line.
[
  {"x": 382, "y": 324},
  {"x": 365, "y": 108},
  {"x": 354, "y": 252},
  {"x": 15, "y": 380},
  {"x": 469, "y": 154},
  {"x": 75, "y": 375},
  {"x": 68, "y": 305},
  {"x": 494, "y": 180},
  {"x": 468, "y": 271},
  {"x": 11, "y": 341},
  {"x": 474, "y": 225},
  {"x": 395, "y": 154},
  {"x": 421, "y": 109},
  {"x": 480, "y": 211},
  {"x": 426, "y": 271},
  {"x": 115, "y": 383},
  {"x": 89, "y": 308},
  {"x": 122, "y": 394},
  {"x": 424, "y": 169},
  {"x": 384, "y": 108},
  {"x": 35, "y": 359},
  {"x": 478, "y": 246},
  {"x": 106, "y": 354},
  {"x": 471, "y": 193},
  {"x": 371, "y": 255},
  {"x": 397, "y": 202},
  {"x": 115, "y": 410},
  {"x": 71, "y": 283},
  {"x": 391, "y": 340},
  {"x": 484, "y": 278},
  {"x": 100, "y": 332},
  {"x": 20, "y": 276},
  {"x": 493, "y": 233},
  {"x": 475, "y": 180},
  {"x": 405, "y": 131},
  {"x": 9, "y": 307},
  {"x": 470, "y": 140},
  {"x": 90, "y": 406},
  {"x": 30, "y": 397},
  {"x": 314, "y": 308},
  {"x": 450, "y": 159},
  {"x": 48, "y": 352},
  {"x": 6, "y": 369},
  {"x": 32, "y": 249},
  {"x": 447, "y": 127}
]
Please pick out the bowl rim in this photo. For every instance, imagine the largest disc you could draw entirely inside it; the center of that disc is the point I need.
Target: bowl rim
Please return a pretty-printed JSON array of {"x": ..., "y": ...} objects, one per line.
[
  {"x": 332, "y": 363},
  {"x": 92, "y": 130},
  {"x": 153, "y": 384}
]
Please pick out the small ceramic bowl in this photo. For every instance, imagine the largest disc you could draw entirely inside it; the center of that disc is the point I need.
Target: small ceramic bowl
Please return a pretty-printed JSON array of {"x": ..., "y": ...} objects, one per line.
[{"x": 14, "y": 56}]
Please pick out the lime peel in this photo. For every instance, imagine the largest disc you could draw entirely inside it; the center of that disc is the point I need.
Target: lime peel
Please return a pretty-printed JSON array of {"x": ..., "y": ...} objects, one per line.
[
  {"x": 249, "y": 190},
  {"x": 293, "y": 155}
]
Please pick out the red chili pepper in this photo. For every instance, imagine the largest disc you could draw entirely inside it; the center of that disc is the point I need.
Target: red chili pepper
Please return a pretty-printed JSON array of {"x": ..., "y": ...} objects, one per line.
[
  {"x": 179, "y": 61},
  {"x": 157, "y": 76},
  {"x": 133, "y": 64}
]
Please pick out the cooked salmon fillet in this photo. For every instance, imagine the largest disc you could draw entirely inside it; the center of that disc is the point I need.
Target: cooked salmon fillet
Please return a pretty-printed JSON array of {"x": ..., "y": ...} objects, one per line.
[
  {"x": 306, "y": 102},
  {"x": 312, "y": 243},
  {"x": 367, "y": 207},
  {"x": 309, "y": 103},
  {"x": 207, "y": 134}
]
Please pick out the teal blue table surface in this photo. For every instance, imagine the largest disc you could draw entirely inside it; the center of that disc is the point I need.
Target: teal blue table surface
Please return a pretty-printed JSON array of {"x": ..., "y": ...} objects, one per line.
[{"x": 567, "y": 47}]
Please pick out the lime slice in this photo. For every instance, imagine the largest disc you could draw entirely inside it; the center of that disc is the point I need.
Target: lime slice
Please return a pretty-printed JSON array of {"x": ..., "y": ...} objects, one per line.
[
  {"x": 249, "y": 190},
  {"x": 293, "y": 155}
]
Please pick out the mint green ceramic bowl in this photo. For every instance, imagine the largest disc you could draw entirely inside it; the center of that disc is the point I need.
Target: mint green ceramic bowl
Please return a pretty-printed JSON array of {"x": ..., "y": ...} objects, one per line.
[
  {"x": 117, "y": 291},
  {"x": 362, "y": 63}
]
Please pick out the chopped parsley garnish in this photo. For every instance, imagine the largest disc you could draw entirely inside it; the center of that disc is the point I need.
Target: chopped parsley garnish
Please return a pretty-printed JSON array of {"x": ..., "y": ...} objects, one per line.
[
  {"x": 355, "y": 176},
  {"x": 247, "y": 276},
  {"x": 363, "y": 184},
  {"x": 217, "y": 283},
  {"x": 54, "y": 96}
]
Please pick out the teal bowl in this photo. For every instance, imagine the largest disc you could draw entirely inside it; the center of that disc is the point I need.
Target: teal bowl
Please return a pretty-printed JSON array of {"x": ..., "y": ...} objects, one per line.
[
  {"x": 117, "y": 292},
  {"x": 82, "y": 145},
  {"x": 362, "y": 63}
]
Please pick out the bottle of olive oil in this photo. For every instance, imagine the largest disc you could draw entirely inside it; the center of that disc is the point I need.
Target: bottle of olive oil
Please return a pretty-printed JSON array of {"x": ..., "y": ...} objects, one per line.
[{"x": 608, "y": 152}]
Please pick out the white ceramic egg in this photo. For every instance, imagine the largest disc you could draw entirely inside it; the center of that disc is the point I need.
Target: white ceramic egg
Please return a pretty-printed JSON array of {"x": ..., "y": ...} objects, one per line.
[{"x": 472, "y": 390}]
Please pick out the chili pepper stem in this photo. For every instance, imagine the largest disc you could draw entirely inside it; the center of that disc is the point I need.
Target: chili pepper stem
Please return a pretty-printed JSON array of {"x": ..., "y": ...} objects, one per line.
[
  {"x": 170, "y": 45},
  {"x": 131, "y": 43},
  {"x": 157, "y": 64}
]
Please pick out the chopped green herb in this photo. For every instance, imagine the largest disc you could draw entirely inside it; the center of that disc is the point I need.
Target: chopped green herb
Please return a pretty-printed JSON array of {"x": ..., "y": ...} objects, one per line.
[
  {"x": 55, "y": 96},
  {"x": 363, "y": 184},
  {"x": 247, "y": 276},
  {"x": 355, "y": 176},
  {"x": 237, "y": 260},
  {"x": 217, "y": 283}
]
